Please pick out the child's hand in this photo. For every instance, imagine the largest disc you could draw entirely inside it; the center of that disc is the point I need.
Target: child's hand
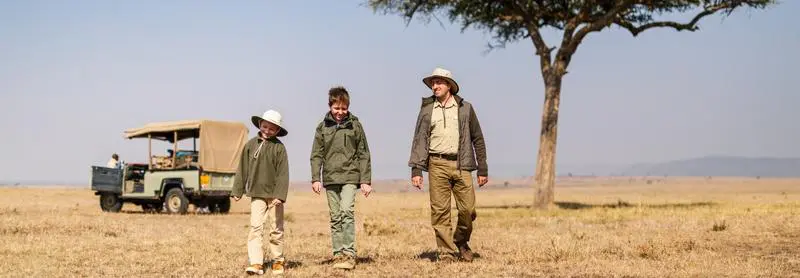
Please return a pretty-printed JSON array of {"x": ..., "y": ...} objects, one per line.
[
  {"x": 276, "y": 202},
  {"x": 316, "y": 187},
  {"x": 235, "y": 198},
  {"x": 366, "y": 189}
]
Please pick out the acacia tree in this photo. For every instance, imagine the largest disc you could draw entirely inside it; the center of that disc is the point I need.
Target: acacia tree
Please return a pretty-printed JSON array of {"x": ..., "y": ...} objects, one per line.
[{"x": 512, "y": 20}]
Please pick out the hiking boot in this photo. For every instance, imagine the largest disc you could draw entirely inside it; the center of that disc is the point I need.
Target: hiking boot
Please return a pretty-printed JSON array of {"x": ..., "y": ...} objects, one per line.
[
  {"x": 346, "y": 262},
  {"x": 337, "y": 258},
  {"x": 255, "y": 269},
  {"x": 465, "y": 252},
  {"x": 277, "y": 268}
]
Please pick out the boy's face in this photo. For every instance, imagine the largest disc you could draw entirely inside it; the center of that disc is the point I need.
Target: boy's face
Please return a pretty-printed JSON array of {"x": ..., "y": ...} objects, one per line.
[
  {"x": 268, "y": 129},
  {"x": 339, "y": 111}
]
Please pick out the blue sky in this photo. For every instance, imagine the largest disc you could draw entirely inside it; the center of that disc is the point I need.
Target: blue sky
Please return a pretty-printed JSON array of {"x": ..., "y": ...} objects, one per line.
[{"x": 75, "y": 74}]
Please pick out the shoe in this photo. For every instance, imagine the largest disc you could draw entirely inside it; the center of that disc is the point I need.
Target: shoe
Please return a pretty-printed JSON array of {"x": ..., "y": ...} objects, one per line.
[
  {"x": 465, "y": 252},
  {"x": 277, "y": 268},
  {"x": 255, "y": 269},
  {"x": 346, "y": 262}
]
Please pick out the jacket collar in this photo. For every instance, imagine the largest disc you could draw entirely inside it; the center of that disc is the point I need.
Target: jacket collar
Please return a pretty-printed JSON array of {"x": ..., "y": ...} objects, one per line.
[{"x": 431, "y": 99}]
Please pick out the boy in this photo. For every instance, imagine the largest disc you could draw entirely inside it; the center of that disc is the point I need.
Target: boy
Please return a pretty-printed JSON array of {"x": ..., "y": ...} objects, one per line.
[
  {"x": 341, "y": 152},
  {"x": 263, "y": 174}
]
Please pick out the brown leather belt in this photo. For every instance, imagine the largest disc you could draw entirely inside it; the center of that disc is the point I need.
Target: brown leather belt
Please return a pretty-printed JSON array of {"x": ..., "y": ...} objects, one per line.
[{"x": 445, "y": 156}]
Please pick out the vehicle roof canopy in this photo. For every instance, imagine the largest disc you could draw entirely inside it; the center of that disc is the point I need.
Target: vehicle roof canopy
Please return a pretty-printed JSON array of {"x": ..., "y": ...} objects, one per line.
[{"x": 220, "y": 146}]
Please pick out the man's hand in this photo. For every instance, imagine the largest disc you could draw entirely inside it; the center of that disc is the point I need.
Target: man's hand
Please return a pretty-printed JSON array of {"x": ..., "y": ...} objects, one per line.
[
  {"x": 366, "y": 189},
  {"x": 316, "y": 187},
  {"x": 482, "y": 180},
  {"x": 417, "y": 182},
  {"x": 236, "y": 198},
  {"x": 276, "y": 202}
]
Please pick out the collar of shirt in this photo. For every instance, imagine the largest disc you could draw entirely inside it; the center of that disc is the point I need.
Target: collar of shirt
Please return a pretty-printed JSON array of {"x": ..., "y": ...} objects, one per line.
[{"x": 450, "y": 103}]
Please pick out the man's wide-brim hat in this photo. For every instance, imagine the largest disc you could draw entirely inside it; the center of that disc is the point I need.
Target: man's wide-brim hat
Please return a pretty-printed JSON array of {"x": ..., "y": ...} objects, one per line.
[
  {"x": 271, "y": 116},
  {"x": 443, "y": 74}
]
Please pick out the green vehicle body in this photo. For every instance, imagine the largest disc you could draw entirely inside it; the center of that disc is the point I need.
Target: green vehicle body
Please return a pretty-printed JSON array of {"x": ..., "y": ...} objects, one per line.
[{"x": 174, "y": 187}]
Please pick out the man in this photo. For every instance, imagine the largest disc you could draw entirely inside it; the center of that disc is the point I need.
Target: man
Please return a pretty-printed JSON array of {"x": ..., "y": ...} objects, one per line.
[{"x": 448, "y": 144}]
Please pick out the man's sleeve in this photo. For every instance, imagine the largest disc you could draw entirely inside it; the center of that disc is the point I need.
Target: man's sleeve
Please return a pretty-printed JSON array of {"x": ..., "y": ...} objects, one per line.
[{"x": 478, "y": 143}]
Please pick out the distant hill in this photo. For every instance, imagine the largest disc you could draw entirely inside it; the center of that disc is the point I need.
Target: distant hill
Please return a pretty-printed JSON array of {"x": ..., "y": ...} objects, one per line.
[{"x": 719, "y": 166}]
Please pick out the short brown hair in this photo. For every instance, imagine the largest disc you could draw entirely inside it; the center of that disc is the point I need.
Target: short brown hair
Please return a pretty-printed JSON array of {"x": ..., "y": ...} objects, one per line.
[{"x": 338, "y": 95}]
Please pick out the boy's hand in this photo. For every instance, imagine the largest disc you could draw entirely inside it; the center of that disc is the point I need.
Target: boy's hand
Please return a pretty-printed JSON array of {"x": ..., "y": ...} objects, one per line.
[
  {"x": 316, "y": 187},
  {"x": 417, "y": 182},
  {"x": 236, "y": 198},
  {"x": 276, "y": 202},
  {"x": 366, "y": 189}
]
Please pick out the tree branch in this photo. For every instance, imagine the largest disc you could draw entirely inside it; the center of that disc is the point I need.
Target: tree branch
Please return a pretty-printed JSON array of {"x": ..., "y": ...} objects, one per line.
[{"x": 690, "y": 26}]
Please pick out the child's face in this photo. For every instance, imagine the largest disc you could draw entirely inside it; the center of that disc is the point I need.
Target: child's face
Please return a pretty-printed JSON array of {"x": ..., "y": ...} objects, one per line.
[
  {"x": 268, "y": 129},
  {"x": 339, "y": 111}
]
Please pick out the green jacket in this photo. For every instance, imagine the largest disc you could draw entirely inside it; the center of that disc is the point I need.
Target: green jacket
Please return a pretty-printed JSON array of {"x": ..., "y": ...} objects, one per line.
[
  {"x": 264, "y": 176},
  {"x": 340, "y": 152},
  {"x": 471, "y": 146}
]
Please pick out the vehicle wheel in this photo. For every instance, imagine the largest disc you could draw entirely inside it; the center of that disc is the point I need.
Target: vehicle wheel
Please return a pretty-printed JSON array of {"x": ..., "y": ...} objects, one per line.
[
  {"x": 176, "y": 202},
  {"x": 224, "y": 206},
  {"x": 110, "y": 202},
  {"x": 152, "y": 208}
]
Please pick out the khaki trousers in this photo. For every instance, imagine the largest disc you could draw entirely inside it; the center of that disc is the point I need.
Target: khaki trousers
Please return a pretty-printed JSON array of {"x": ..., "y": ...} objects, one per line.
[
  {"x": 444, "y": 179},
  {"x": 341, "y": 203},
  {"x": 261, "y": 214}
]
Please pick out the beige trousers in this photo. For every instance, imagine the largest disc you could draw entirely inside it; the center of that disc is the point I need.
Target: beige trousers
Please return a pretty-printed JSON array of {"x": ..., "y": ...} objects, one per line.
[
  {"x": 445, "y": 181},
  {"x": 261, "y": 214}
]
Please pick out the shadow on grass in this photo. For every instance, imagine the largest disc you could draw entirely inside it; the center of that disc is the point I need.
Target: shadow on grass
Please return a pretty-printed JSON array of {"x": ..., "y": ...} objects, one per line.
[
  {"x": 288, "y": 264},
  {"x": 432, "y": 255},
  {"x": 619, "y": 204},
  {"x": 359, "y": 260},
  {"x": 187, "y": 213}
]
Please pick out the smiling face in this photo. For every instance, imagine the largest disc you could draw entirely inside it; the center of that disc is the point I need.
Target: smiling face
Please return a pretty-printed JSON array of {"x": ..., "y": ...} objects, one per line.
[
  {"x": 339, "y": 111},
  {"x": 268, "y": 129},
  {"x": 440, "y": 87}
]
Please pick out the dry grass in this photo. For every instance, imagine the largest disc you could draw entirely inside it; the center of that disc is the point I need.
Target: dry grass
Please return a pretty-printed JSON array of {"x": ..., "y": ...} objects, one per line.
[{"x": 603, "y": 228}]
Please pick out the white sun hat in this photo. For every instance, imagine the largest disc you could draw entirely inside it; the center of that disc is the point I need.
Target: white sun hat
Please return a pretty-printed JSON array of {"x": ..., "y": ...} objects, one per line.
[{"x": 271, "y": 116}]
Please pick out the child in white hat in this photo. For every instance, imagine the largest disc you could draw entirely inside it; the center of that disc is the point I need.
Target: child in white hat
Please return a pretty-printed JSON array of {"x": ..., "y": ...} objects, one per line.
[{"x": 263, "y": 174}]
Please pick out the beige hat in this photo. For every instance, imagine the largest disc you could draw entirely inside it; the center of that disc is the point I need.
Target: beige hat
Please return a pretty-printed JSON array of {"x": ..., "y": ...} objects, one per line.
[
  {"x": 271, "y": 116},
  {"x": 443, "y": 74}
]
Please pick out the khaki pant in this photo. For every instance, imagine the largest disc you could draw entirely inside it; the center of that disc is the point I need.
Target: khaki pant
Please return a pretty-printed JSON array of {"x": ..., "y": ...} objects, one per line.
[
  {"x": 444, "y": 179},
  {"x": 261, "y": 213},
  {"x": 341, "y": 203}
]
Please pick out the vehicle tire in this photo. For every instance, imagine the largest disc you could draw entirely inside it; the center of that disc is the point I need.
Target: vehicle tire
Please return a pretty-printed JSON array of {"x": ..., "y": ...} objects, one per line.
[
  {"x": 224, "y": 206},
  {"x": 110, "y": 202},
  {"x": 176, "y": 202}
]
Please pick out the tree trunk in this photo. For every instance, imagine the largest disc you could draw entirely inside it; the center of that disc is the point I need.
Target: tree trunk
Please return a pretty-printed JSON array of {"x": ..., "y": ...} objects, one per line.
[{"x": 545, "y": 165}]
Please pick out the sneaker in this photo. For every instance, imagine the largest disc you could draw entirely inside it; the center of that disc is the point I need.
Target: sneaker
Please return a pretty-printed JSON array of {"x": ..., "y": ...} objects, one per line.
[
  {"x": 347, "y": 262},
  {"x": 465, "y": 252},
  {"x": 277, "y": 268},
  {"x": 255, "y": 269}
]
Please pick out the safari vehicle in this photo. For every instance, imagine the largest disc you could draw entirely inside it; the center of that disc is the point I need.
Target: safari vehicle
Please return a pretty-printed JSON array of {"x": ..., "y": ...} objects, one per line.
[{"x": 202, "y": 177}]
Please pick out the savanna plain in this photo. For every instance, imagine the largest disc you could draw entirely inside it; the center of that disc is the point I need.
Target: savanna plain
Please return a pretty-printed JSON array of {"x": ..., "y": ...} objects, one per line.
[{"x": 600, "y": 227}]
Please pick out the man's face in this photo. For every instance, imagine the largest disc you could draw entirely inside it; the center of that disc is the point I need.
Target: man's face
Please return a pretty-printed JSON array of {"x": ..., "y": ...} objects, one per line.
[
  {"x": 440, "y": 87},
  {"x": 339, "y": 111},
  {"x": 268, "y": 129}
]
